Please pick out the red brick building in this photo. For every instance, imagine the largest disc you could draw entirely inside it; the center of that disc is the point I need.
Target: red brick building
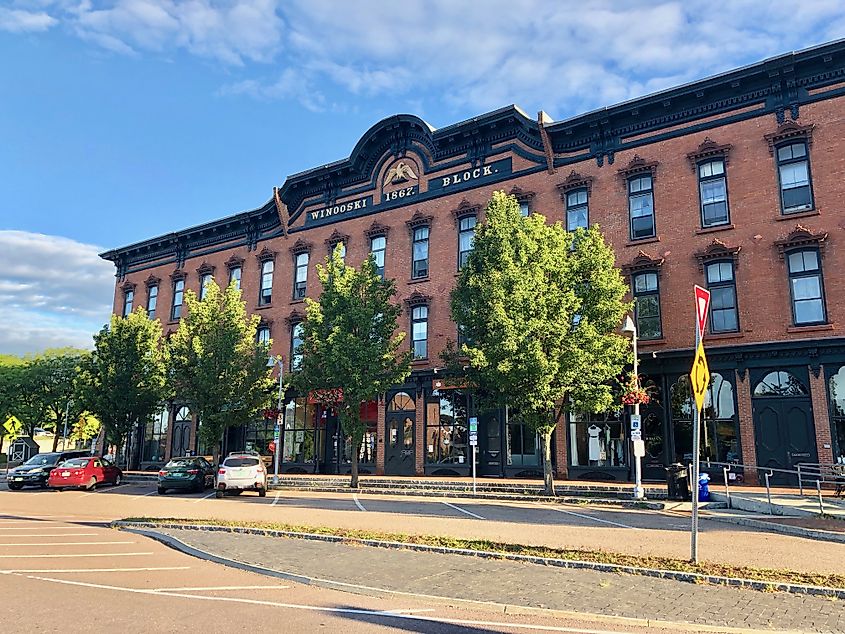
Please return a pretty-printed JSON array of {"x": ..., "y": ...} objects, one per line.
[{"x": 733, "y": 182}]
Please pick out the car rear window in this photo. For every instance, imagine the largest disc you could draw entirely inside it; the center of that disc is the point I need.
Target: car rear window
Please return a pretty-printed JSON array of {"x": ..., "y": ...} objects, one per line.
[
  {"x": 181, "y": 463},
  {"x": 240, "y": 462},
  {"x": 75, "y": 462}
]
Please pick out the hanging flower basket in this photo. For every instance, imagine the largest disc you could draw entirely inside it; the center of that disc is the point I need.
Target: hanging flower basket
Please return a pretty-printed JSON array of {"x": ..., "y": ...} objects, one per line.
[
  {"x": 634, "y": 394},
  {"x": 271, "y": 413}
]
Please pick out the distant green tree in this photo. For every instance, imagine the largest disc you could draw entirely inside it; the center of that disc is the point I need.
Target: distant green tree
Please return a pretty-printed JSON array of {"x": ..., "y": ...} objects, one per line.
[
  {"x": 55, "y": 373},
  {"x": 85, "y": 428},
  {"x": 216, "y": 365},
  {"x": 122, "y": 382},
  {"x": 540, "y": 310},
  {"x": 350, "y": 350}
]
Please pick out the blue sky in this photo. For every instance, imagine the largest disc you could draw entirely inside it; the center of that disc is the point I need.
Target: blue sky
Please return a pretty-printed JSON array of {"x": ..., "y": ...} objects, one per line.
[{"x": 124, "y": 119}]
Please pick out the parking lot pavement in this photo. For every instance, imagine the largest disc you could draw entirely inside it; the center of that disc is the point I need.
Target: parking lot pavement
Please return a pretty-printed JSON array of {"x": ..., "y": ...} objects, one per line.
[
  {"x": 631, "y": 531},
  {"x": 58, "y": 575}
]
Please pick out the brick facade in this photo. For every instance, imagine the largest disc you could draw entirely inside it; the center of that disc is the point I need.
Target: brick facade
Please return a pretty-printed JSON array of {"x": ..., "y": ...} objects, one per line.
[{"x": 402, "y": 171}]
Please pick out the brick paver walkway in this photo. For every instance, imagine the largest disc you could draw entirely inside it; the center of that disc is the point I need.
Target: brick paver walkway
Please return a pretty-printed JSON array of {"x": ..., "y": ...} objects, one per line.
[{"x": 523, "y": 584}]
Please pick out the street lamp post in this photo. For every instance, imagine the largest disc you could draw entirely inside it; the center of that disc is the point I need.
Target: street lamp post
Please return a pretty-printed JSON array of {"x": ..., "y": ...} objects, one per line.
[
  {"x": 630, "y": 328},
  {"x": 277, "y": 432}
]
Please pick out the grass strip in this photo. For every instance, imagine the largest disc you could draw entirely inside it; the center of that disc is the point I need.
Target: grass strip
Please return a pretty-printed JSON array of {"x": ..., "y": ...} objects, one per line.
[{"x": 770, "y": 575}]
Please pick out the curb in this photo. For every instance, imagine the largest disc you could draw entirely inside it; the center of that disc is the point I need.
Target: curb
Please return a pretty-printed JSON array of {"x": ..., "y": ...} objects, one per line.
[
  {"x": 179, "y": 545},
  {"x": 688, "y": 577},
  {"x": 783, "y": 529}
]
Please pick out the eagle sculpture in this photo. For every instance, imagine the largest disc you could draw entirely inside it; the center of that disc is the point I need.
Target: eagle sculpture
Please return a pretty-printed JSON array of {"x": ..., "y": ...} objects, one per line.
[{"x": 400, "y": 173}]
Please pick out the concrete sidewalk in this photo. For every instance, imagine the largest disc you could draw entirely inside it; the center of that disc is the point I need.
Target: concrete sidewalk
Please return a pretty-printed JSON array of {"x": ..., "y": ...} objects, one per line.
[{"x": 455, "y": 578}]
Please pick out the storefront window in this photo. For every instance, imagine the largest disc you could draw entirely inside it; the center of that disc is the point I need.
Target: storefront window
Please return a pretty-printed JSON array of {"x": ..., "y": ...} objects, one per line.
[
  {"x": 523, "y": 448},
  {"x": 155, "y": 438},
  {"x": 302, "y": 440},
  {"x": 259, "y": 433},
  {"x": 837, "y": 414},
  {"x": 719, "y": 436},
  {"x": 597, "y": 440},
  {"x": 367, "y": 455},
  {"x": 204, "y": 446},
  {"x": 446, "y": 427}
]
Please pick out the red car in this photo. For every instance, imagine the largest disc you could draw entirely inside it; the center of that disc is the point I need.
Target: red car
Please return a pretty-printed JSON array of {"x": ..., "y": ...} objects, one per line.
[{"x": 84, "y": 473}]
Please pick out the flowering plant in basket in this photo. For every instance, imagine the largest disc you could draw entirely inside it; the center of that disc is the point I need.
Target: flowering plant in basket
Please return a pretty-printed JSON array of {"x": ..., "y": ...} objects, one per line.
[{"x": 633, "y": 393}]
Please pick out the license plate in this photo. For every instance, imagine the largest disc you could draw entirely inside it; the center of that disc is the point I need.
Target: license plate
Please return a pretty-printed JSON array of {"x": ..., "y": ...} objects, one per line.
[
  {"x": 65, "y": 474},
  {"x": 17, "y": 479}
]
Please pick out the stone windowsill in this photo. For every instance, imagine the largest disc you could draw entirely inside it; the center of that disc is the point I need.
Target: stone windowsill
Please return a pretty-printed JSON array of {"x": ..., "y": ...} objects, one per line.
[
  {"x": 651, "y": 342},
  {"x": 814, "y": 328},
  {"x": 715, "y": 229},
  {"x": 419, "y": 280},
  {"x": 636, "y": 243},
  {"x": 798, "y": 214},
  {"x": 718, "y": 336},
  {"x": 264, "y": 306}
]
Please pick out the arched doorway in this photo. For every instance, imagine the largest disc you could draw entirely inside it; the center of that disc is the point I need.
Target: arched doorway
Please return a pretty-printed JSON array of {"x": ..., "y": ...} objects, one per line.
[
  {"x": 784, "y": 432},
  {"x": 180, "y": 440},
  {"x": 399, "y": 427}
]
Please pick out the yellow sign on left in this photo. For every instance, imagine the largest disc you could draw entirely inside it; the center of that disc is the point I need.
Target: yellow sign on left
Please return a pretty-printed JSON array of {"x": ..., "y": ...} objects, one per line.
[
  {"x": 12, "y": 426},
  {"x": 699, "y": 376}
]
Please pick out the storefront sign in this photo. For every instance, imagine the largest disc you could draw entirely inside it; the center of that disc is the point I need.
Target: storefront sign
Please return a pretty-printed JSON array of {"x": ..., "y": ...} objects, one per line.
[{"x": 472, "y": 177}]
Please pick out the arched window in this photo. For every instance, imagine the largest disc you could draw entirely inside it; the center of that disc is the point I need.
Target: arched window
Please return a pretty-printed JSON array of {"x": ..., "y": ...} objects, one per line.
[
  {"x": 780, "y": 383},
  {"x": 183, "y": 415},
  {"x": 401, "y": 402}
]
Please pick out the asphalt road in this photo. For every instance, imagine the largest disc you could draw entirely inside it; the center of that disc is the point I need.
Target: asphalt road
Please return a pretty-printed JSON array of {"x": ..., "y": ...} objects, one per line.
[
  {"x": 59, "y": 574},
  {"x": 631, "y": 531}
]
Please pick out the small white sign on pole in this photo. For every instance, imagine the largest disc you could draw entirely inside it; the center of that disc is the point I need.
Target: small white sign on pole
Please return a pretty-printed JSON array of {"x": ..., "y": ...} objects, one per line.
[{"x": 639, "y": 448}]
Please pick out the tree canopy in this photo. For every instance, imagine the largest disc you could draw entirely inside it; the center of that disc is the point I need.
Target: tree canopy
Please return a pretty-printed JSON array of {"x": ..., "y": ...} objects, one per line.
[{"x": 539, "y": 309}]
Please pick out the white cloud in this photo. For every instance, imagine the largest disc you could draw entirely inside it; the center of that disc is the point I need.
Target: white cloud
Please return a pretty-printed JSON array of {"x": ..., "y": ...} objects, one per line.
[
  {"x": 54, "y": 292},
  {"x": 21, "y": 21}
]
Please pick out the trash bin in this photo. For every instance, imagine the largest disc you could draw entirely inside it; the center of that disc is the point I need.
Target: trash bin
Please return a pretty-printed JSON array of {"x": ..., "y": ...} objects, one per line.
[
  {"x": 676, "y": 480},
  {"x": 704, "y": 487}
]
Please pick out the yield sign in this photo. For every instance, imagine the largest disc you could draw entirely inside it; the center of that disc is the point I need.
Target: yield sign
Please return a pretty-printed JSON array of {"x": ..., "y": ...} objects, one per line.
[{"x": 702, "y": 303}]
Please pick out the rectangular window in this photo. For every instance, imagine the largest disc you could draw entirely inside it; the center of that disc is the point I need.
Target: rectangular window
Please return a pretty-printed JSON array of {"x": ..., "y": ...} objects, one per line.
[
  {"x": 419, "y": 332},
  {"x": 796, "y": 193},
  {"x": 178, "y": 296},
  {"x": 128, "y": 300},
  {"x": 265, "y": 293},
  {"x": 524, "y": 208},
  {"x": 300, "y": 283},
  {"x": 304, "y": 433},
  {"x": 805, "y": 285},
  {"x": 647, "y": 306},
  {"x": 722, "y": 285},
  {"x": 466, "y": 234},
  {"x": 152, "y": 300},
  {"x": 713, "y": 190},
  {"x": 446, "y": 427},
  {"x": 641, "y": 207},
  {"x": 263, "y": 335},
  {"x": 378, "y": 246},
  {"x": 235, "y": 277},
  {"x": 296, "y": 333},
  {"x": 420, "y": 253},
  {"x": 205, "y": 279},
  {"x": 577, "y": 210},
  {"x": 342, "y": 249}
]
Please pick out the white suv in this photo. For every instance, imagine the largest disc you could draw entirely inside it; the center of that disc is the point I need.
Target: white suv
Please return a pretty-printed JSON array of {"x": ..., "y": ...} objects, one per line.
[{"x": 241, "y": 471}]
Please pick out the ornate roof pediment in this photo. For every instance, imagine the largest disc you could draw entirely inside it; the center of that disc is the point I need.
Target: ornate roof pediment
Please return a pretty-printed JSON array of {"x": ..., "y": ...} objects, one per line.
[
  {"x": 637, "y": 166},
  {"x": 205, "y": 269},
  {"x": 521, "y": 195},
  {"x": 377, "y": 229},
  {"x": 295, "y": 317},
  {"x": 301, "y": 246},
  {"x": 234, "y": 262},
  {"x": 575, "y": 181},
  {"x": 465, "y": 209},
  {"x": 789, "y": 131},
  {"x": 709, "y": 149},
  {"x": 266, "y": 255},
  {"x": 419, "y": 220},
  {"x": 178, "y": 274},
  {"x": 151, "y": 281},
  {"x": 418, "y": 299},
  {"x": 716, "y": 250},
  {"x": 336, "y": 237},
  {"x": 642, "y": 262},
  {"x": 799, "y": 237}
]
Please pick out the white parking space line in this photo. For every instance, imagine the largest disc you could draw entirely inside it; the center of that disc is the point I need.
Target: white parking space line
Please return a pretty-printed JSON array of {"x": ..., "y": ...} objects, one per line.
[
  {"x": 67, "y": 543},
  {"x": 587, "y": 517},
  {"x": 143, "y": 495},
  {"x": 68, "y": 556},
  {"x": 77, "y": 570},
  {"x": 394, "y": 614},
  {"x": 458, "y": 508},
  {"x": 40, "y": 528},
  {"x": 357, "y": 502},
  {"x": 30, "y": 535},
  {"x": 211, "y": 588},
  {"x": 204, "y": 497},
  {"x": 276, "y": 498}
]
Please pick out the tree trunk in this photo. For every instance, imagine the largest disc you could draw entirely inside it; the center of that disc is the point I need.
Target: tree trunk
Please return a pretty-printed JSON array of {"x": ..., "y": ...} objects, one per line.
[
  {"x": 56, "y": 433},
  {"x": 356, "y": 447},
  {"x": 548, "y": 470},
  {"x": 216, "y": 455}
]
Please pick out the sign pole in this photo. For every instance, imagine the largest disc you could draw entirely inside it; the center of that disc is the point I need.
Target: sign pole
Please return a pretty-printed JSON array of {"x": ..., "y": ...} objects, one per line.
[
  {"x": 699, "y": 380},
  {"x": 473, "y": 441},
  {"x": 277, "y": 432}
]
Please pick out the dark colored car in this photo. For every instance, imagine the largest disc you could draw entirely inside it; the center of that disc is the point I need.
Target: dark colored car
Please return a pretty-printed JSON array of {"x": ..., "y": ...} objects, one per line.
[
  {"x": 35, "y": 471},
  {"x": 84, "y": 473},
  {"x": 192, "y": 473}
]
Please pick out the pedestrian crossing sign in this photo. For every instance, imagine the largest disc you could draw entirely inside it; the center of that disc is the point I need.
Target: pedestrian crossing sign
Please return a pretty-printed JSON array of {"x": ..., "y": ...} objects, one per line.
[{"x": 13, "y": 427}]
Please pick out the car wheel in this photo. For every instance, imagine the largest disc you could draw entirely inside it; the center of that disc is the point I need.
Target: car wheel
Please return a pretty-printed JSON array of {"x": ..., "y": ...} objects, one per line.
[
  {"x": 162, "y": 490},
  {"x": 262, "y": 493},
  {"x": 92, "y": 484},
  {"x": 117, "y": 480},
  {"x": 15, "y": 487},
  {"x": 218, "y": 494}
]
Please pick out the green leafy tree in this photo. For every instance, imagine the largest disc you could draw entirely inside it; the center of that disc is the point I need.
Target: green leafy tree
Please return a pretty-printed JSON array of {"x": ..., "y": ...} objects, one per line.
[
  {"x": 350, "y": 350},
  {"x": 55, "y": 372},
  {"x": 216, "y": 365},
  {"x": 122, "y": 382},
  {"x": 540, "y": 309},
  {"x": 85, "y": 428}
]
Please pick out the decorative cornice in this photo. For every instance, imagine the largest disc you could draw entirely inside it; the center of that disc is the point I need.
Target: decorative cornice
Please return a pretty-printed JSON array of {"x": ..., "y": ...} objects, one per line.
[
  {"x": 637, "y": 166},
  {"x": 643, "y": 262},
  {"x": 789, "y": 131},
  {"x": 234, "y": 262},
  {"x": 707, "y": 150},
  {"x": 205, "y": 269},
  {"x": 151, "y": 281},
  {"x": 716, "y": 250},
  {"x": 127, "y": 286},
  {"x": 335, "y": 238},
  {"x": 575, "y": 181},
  {"x": 376, "y": 229},
  {"x": 265, "y": 323},
  {"x": 465, "y": 209},
  {"x": 178, "y": 274},
  {"x": 802, "y": 237},
  {"x": 301, "y": 246},
  {"x": 417, "y": 299},
  {"x": 521, "y": 195},
  {"x": 266, "y": 255},
  {"x": 419, "y": 220},
  {"x": 295, "y": 317}
]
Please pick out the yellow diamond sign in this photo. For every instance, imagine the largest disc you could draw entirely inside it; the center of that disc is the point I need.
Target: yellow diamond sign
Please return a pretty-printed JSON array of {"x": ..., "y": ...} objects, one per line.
[
  {"x": 699, "y": 376},
  {"x": 12, "y": 426}
]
